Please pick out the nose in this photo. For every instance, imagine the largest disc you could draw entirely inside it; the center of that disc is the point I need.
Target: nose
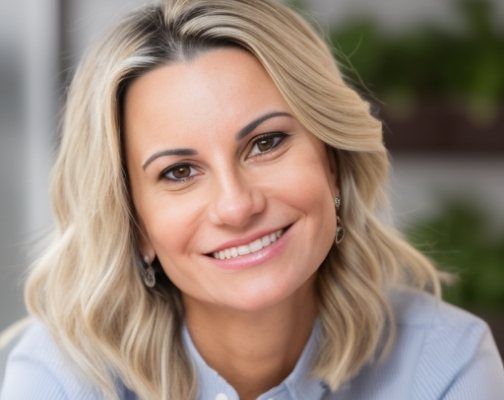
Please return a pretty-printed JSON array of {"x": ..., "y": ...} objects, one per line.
[{"x": 236, "y": 200}]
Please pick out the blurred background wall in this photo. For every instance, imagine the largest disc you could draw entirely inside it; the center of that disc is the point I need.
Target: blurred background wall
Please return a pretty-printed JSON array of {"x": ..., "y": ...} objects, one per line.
[{"x": 432, "y": 70}]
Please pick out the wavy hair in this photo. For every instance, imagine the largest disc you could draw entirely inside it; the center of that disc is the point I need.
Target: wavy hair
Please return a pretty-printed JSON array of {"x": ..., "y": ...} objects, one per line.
[{"x": 86, "y": 287}]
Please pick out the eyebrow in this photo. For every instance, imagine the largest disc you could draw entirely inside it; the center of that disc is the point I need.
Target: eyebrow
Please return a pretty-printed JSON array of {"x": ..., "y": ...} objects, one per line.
[
  {"x": 255, "y": 123},
  {"x": 171, "y": 152},
  {"x": 240, "y": 135}
]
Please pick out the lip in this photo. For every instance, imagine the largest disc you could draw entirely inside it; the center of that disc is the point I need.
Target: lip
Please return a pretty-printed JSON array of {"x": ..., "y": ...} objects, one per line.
[
  {"x": 256, "y": 258},
  {"x": 246, "y": 239}
]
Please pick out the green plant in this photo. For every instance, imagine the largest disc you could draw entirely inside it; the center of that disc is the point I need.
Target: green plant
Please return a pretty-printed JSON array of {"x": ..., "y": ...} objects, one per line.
[
  {"x": 459, "y": 239},
  {"x": 428, "y": 61}
]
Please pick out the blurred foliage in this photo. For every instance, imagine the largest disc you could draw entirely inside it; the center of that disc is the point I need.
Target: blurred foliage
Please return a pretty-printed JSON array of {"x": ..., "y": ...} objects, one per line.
[
  {"x": 459, "y": 239},
  {"x": 296, "y": 4},
  {"x": 466, "y": 67}
]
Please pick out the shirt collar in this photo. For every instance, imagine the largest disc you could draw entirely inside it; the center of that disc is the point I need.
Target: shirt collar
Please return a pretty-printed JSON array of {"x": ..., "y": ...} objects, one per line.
[{"x": 298, "y": 385}]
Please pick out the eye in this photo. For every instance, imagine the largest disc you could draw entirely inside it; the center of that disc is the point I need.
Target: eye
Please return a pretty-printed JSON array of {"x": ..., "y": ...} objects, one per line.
[
  {"x": 266, "y": 143},
  {"x": 178, "y": 173}
]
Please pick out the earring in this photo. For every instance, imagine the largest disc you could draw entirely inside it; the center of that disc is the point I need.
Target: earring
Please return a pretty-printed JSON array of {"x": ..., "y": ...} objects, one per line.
[
  {"x": 340, "y": 230},
  {"x": 148, "y": 273},
  {"x": 337, "y": 202}
]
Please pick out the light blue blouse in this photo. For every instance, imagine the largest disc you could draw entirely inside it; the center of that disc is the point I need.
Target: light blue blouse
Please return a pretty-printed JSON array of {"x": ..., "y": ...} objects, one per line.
[{"x": 441, "y": 352}]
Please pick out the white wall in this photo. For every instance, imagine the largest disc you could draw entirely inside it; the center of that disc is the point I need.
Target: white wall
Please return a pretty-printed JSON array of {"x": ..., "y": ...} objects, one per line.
[{"x": 28, "y": 69}]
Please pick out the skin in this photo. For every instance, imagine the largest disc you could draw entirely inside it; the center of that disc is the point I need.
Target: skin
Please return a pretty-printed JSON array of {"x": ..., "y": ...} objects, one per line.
[{"x": 250, "y": 325}]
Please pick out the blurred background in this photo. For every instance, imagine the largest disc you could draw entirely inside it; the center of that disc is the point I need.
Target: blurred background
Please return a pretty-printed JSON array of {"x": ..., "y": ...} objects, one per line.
[{"x": 433, "y": 70}]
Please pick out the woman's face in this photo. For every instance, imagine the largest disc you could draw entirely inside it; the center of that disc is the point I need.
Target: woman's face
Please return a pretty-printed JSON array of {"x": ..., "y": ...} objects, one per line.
[{"x": 219, "y": 167}]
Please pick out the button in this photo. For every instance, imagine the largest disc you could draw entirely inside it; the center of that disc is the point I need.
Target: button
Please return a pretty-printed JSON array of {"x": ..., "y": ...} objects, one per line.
[{"x": 221, "y": 396}]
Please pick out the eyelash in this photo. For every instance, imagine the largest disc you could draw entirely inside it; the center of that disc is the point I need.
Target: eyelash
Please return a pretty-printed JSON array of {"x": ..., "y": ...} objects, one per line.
[
  {"x": 278, "y": 138},
  {"x": 164, "y": 174}
]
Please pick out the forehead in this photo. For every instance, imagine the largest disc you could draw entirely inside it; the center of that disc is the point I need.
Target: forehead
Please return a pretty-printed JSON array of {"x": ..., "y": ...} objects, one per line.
[{"x": 220, "y": 86}]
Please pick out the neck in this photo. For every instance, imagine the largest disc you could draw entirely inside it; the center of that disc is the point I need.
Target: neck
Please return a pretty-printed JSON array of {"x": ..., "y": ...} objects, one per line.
[{"x": 253, "y": 351}]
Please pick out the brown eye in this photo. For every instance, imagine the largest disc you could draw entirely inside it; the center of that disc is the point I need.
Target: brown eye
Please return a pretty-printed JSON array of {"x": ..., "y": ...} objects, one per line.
[
  {"x": 182, "y": 171},
  {"x": 267, "y": 143},
  {"x": 179, "y": 173}
]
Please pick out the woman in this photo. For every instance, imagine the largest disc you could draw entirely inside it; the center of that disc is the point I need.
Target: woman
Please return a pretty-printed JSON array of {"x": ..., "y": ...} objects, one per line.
[{"x": 216, "y": 194}]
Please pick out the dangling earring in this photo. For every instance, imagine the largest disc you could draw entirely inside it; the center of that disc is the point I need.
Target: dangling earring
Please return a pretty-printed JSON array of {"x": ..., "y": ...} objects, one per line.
[
  {"x": 340, "y": 230},
  {"x": 148, "y": 273},
  {"x": 337, "y": 202}
]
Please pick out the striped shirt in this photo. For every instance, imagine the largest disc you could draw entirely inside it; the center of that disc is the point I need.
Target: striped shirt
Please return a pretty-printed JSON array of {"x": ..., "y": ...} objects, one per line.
[{"x": 441, "y": 352}]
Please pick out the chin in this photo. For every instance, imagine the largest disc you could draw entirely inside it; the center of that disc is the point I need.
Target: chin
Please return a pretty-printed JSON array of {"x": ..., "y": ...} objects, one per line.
[{"x": 253, "y": 299}]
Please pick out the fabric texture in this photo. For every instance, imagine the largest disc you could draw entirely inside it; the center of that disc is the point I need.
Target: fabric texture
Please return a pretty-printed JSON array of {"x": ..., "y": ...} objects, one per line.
[{"x": 441, "y": 352}]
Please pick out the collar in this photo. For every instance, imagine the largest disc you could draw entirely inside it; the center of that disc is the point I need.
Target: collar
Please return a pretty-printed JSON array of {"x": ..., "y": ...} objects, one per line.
[{"x": 297, "y": 386}]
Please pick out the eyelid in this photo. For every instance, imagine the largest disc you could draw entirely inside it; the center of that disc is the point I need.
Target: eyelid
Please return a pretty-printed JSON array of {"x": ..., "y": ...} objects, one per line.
[
  {"x": 164, "y": 172},
  {"x": 277, "y": 134}
]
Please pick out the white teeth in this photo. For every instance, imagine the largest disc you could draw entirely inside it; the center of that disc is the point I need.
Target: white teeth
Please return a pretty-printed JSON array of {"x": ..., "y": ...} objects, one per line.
[
  {"x": 265, "y": 241},
  {"x": 256, "y": 245},
  {"x": 242, "y": 250},
  {"x": 252, "y": 247}
]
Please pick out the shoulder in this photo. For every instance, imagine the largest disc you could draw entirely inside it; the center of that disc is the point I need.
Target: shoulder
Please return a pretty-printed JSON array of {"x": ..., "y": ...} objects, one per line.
[
  {"x": 448, "y": 351},
  {"x": 439, "y": 325},
  {"x": 38, "y": 369},
  {"x": 413, "y": 307},
  {"x": 440, "y": 351}
]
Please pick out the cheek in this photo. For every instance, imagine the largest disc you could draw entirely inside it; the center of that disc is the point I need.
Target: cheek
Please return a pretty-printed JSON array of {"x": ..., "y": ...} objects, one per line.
[
  {"x": 169, "y": 223},
  {"x": 311, "y": 192},
  {"x": 171, "y": 233},
  {"x": 306, "y": 179},
  {"x": 308, "y": 191}
]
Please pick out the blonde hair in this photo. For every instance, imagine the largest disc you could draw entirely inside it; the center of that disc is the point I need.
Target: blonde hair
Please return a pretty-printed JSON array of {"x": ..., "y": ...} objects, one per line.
[{"x": 86, "y": 287}]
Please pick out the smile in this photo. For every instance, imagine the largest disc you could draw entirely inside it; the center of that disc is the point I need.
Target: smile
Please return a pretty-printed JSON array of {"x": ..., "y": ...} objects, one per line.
[{"x": 252, "y": 247}]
